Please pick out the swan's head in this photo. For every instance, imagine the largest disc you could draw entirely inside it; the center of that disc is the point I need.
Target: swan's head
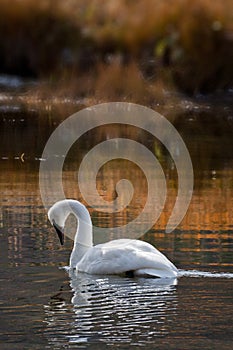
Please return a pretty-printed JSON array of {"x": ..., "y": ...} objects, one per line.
[{"x": 57, "y": 215}]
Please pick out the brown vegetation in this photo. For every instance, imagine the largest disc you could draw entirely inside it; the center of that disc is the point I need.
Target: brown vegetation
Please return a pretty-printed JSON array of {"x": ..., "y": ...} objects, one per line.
[{"x": 124, "y": 48}]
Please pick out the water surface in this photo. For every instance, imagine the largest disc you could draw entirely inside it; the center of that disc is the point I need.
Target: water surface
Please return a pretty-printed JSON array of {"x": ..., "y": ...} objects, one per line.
[{"x": 42, "y": 307}]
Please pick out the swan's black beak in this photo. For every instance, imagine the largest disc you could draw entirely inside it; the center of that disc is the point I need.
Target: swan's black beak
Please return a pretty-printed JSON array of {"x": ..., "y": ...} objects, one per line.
[{"x": 59, "y": 233}]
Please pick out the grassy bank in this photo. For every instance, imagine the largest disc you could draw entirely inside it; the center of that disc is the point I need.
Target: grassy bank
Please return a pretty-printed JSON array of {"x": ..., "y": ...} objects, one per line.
[{"x": 119, "y": 49}]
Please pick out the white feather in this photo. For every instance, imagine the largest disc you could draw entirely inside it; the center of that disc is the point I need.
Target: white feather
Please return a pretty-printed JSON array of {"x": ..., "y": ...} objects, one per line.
[{"x": 114, "y": 257}]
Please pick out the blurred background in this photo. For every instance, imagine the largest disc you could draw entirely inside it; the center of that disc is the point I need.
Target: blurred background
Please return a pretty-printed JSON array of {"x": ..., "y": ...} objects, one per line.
[{"x": 124, "y": 49}]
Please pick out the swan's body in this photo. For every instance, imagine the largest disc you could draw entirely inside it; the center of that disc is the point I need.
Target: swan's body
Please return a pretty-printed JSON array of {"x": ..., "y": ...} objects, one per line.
[{"x": 114, "y": 257}]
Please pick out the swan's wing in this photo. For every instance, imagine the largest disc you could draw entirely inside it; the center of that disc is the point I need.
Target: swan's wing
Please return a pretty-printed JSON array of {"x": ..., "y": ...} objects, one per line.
[{"x": 121, "y": 256}]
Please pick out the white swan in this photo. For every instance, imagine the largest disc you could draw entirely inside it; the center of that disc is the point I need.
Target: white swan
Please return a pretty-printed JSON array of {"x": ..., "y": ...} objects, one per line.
[{"x": 119, "y": 256}]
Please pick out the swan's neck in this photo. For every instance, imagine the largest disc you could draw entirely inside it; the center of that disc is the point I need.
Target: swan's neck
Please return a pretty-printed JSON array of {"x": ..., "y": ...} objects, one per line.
[{"x": 83, "y": 239}]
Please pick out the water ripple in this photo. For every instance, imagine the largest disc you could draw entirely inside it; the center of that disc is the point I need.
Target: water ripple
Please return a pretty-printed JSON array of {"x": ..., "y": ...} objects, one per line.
[
  {"x": 112, "y": 310},
  {"x": 196, "y": 273}
]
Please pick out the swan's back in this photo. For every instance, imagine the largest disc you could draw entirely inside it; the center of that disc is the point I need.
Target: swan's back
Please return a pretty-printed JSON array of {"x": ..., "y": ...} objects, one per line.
[{"x": 123, "y": 255}]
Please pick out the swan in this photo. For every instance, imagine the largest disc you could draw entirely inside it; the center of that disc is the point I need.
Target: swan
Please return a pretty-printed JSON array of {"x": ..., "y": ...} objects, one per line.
[{"x": 121, "y": 256}]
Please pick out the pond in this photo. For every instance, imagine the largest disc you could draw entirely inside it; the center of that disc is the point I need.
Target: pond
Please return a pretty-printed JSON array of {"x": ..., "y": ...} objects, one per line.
[{"x": 42, "y": 307}]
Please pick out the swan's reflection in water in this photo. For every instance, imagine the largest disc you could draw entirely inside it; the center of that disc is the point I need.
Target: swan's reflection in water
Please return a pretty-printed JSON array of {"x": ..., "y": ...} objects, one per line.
[{"x": 112, "y": 310}]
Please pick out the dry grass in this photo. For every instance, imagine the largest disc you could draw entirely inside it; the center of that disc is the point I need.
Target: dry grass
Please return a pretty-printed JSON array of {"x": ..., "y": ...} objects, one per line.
[
  {"x": 105, "y": 83},
  {"x": 176, "y": 42}
]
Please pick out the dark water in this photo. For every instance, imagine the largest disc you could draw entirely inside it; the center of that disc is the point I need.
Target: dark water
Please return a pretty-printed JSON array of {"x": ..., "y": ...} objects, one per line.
[{"x": 42, "y": 307}]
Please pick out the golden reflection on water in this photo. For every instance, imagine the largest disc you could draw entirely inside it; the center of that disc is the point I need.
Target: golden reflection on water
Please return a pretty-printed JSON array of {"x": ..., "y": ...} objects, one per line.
[{"x": 207, "y": 226}]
